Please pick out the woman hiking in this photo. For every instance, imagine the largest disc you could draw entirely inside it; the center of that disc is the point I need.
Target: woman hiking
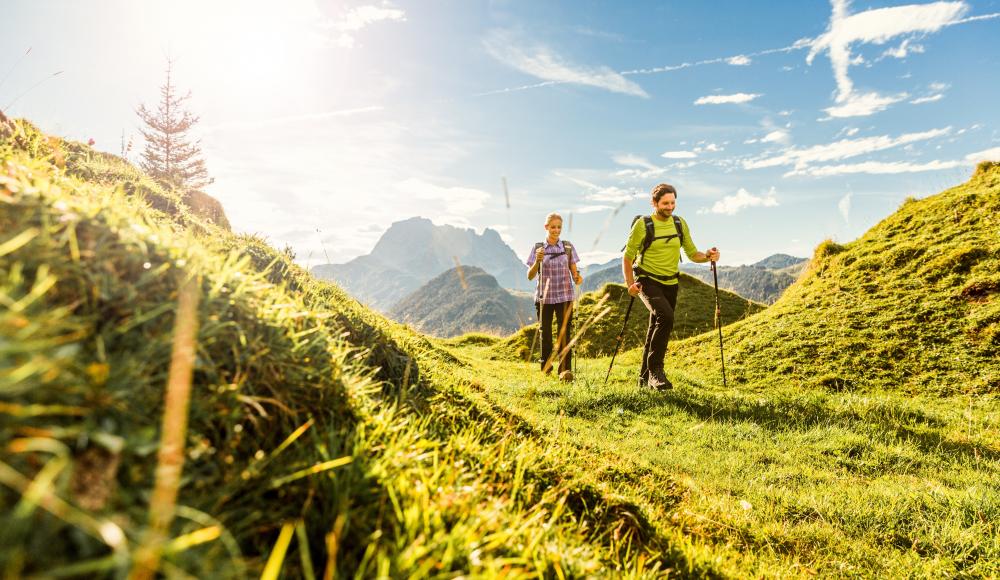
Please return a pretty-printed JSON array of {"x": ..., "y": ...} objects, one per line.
[
  {"x": 554, "y": 262},
  {"x": 656, "y": 241}
]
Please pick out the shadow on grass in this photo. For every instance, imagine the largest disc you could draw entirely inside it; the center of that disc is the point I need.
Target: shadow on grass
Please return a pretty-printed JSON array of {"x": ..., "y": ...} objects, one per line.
[{"x": 779, "y": 416}]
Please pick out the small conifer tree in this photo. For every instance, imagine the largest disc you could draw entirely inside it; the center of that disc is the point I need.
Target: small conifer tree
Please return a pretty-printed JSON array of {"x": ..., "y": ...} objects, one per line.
[{"x": 170, "y": 156}]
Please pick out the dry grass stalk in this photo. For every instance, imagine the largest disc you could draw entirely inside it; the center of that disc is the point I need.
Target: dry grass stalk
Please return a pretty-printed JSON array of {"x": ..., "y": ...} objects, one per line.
[{"x": 170, "y": 459}]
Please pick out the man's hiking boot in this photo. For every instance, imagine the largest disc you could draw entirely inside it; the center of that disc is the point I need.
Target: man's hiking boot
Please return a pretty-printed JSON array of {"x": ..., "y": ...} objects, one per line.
[
  {"x": 643, "y": 380},
  {"x": 566, "y": 376},
  {"x": 658, "y": 381}
]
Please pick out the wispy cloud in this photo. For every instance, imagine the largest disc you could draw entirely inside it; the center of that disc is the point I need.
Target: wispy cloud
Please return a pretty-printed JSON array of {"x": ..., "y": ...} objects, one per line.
[
  {"x": 739, "y": 60},
  {"x": 930, "y": 99},
  {"x": 644, "y": 168},
  {"x": 844, "y": 206},
  {"x": 984, "y": 155},
  {"x": 904, "y": 50},
  {"x": 601, "y": 193},
  {"x": 593, "y": 208},
  {"x": 742, "y": 199},
  {"x": 876, "y": 26},
  {"x": 678, "y": 155},
  {"x": 459, "y": 202},
  {"x": 843, "y": 149},
  {"x": 542, "y": 62},
  {"x": 864, "y": 105},
  {"x": 777, "y": 136},
  {"x": 895, "y": 167},
  {"x": 877, "y": 168},
  {"x": 357, "y": 18},
  {"x": 630, "y": 160},
  {"x": 727, "y": 99}
]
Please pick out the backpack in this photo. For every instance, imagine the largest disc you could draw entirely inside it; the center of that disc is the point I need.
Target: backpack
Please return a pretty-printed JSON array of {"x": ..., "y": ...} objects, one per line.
[
  {"x": 567, "y": 249},
  {"x": 650, "y": 237}
]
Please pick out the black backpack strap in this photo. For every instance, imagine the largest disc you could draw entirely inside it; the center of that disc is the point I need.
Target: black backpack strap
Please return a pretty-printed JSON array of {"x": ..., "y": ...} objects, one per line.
[
  {"x": 650, "y": 233},
  {"x": 680, "y": 236}
]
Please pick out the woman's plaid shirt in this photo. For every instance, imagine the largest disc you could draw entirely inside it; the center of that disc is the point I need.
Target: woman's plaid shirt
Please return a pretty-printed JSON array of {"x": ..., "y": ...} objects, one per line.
[{"x": 555, "y": 283}]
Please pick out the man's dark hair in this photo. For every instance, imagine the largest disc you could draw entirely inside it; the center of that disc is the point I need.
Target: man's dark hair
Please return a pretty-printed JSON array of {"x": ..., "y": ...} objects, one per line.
[{"x": 663, "y": 189}]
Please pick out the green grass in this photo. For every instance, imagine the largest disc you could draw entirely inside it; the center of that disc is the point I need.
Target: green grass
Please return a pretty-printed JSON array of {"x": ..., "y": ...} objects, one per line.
[
  {"x": 309, "y": 412},
  {"x": 787, "y": 482},
  {"x": 910, "y": 306},
  {"x": 323, "y": 436}
]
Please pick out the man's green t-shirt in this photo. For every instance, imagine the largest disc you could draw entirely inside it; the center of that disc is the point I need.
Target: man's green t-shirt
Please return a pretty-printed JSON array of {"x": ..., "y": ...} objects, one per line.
[{"x": 663, "y": 256}]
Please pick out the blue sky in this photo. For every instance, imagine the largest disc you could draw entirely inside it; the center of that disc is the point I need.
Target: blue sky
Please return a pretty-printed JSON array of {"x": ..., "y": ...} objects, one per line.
[{"x": 780, "y": 123}]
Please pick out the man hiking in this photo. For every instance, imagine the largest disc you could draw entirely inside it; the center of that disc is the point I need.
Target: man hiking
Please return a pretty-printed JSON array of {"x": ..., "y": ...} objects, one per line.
[
  {"x": 650, "y": 266},
  {"x": 555, "y": 260}
]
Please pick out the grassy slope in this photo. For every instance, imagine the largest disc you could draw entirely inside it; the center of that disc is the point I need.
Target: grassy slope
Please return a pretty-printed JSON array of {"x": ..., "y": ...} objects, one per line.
[
  {"x": 859, "y": 433},
  {"x": 913, "y": 305},
  {"x": 457, "y": 463},
  {"x": 291, "y": 374},
  {"x": 695, "y": 315}
]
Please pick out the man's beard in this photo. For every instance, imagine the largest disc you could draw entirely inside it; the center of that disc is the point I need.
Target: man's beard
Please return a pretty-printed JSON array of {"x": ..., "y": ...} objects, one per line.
[{"x": 663, "y": 214}]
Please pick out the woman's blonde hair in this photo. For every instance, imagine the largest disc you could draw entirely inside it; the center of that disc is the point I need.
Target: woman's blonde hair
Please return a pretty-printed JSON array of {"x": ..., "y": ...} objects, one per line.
[{"x": 552, "y": 216}]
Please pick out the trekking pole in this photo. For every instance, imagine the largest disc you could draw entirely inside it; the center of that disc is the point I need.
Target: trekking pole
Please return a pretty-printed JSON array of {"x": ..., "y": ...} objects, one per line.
[
  {"x": 538, "y": 313},
  {"x": 621, "y": 336},
  {"x": 718, "y": 322}
]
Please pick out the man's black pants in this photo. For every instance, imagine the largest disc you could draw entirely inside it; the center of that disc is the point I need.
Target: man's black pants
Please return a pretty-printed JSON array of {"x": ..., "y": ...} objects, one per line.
[
  {"x": 564, "y": 328},
  {"x": 661, "y": 300}
]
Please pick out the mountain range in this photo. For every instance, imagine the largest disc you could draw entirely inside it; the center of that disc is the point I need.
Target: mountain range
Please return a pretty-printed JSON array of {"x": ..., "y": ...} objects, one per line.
[
  {"x": 413, "y": 251},
  {"x": 461, "y": 300},
  {"x": 763, "y": 281}
]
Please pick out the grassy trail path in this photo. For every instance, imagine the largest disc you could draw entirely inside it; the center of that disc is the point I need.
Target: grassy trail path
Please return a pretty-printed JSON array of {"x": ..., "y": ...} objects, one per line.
[{"x": 789, "y": 482}]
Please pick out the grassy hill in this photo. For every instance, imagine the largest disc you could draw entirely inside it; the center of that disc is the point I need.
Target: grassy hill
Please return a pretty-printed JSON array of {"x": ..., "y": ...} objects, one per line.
[
  {"x": 462, "y": 300},
  {"x": 328, "y": 440},
  {"x": 859, "y": 435},
  {"x": 912, "y": 305},
  {"x": 321, "y": 436},
  {"x": 695, "y": 315}
]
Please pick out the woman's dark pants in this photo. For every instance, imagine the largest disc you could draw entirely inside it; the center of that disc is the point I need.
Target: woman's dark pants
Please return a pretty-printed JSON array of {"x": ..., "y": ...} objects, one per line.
[{"x": 564, "y": 328}]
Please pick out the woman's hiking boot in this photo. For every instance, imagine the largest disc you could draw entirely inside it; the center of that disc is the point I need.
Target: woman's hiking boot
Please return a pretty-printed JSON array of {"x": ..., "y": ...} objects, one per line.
[
  {"x": 658, "y": 380},
  {"x": 566, "y": 376}
]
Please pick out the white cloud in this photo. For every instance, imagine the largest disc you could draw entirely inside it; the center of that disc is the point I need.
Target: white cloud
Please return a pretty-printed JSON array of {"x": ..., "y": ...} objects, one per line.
[
  {"x": 903, "y": 50},
  {"x": 739, "y": 60},
  {"x": 599, "y": 193},
  {"x": 844, "y": 205},
  {"x": 458, "y": 202},
  {"x": 358, "y": 18},
  {"x": 776, "y": 136},
  {"x": 727, "y": 99},
  {"x": 876, "y": 167},
  {"x": 876, "y": 26},
  {"x": 929, "y": 99},
  {"x": 742, "y": 199},
  {"x": 712, "y": 147},
  {"x": 864, "y": 105},
  {"x": 541, "y": 62},
  {"x": 630, "y": 160},
  {"x": 679, "y": 155},
  {"x": 593, "y": 208},
  {"x": 985, "y": 155},
  {"x": 843, "y": 149}
]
